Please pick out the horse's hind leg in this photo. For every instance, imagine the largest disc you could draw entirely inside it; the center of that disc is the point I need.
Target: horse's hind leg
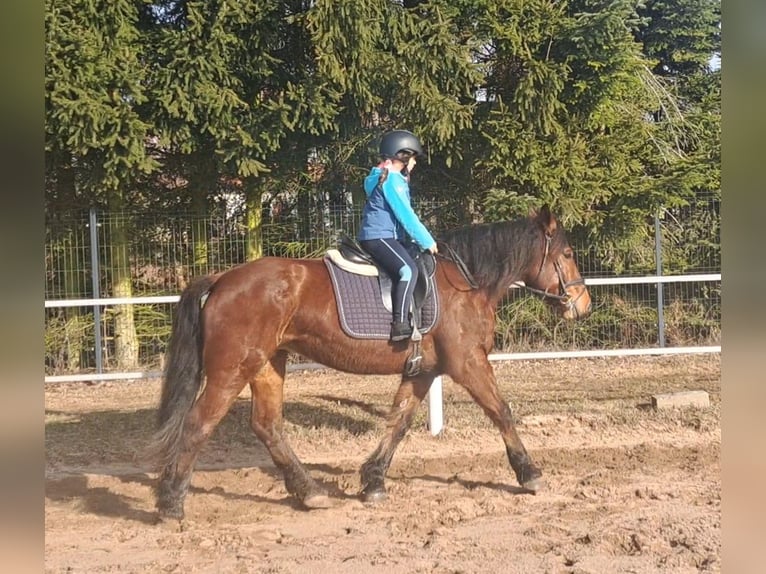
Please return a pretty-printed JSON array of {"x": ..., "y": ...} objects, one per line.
[
  {"x": 477, "y": 376},
  {"x": 406, "y": 402},
  {"x": 266, "y": 422},
  {"x": 214, "y": 402}
]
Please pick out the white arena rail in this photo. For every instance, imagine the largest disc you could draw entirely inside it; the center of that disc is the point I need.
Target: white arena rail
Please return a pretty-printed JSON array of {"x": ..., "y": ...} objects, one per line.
[{"x": 435, "y": 402}]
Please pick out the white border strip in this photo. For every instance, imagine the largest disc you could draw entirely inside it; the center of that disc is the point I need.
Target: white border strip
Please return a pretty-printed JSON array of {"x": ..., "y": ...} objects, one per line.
[
  {"x": 595, "y": 281},
  {"x": 496, "y": 357},
  {"x": 153, "y": 374},
  {"x": 653, "y": 279},
  {"x": 596, "y": 353},
  {"x": 111, "y": 301}
]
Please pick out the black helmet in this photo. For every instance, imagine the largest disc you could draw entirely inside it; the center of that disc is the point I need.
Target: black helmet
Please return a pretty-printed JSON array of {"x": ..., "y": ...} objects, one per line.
[{"x": 398, "y": 144}]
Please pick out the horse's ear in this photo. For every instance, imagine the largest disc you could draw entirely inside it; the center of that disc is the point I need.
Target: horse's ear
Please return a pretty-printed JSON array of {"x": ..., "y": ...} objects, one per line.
[{"x": 547, "y": 220}]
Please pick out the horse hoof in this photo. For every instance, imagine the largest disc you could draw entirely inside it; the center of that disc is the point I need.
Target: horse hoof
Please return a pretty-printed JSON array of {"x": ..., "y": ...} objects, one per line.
[
  {"x": 374, "y": 496},
  {"x": 534, "y": 485},
  {"x": 165, "y": 514},
  {"x": 314, "y": 501}
]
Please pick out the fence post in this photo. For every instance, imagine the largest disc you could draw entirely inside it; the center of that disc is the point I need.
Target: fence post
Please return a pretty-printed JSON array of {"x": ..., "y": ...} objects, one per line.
[
  {"x": 435, "y": 407},
  {"x": 95, "y": 275},
  {"x": 660, "y": 293}
]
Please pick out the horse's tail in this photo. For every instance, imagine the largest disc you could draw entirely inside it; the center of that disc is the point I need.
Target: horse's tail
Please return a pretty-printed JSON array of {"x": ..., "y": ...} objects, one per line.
[{"x": 183, "y": 374}]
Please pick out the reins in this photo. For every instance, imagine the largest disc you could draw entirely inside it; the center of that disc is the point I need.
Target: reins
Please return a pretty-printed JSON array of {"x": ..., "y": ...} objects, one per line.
[{"x": 459, "y": 263}]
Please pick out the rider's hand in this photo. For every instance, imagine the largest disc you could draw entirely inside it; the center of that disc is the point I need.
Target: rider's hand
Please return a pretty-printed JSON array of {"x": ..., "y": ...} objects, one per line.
[{"x": 433, "y": 249}]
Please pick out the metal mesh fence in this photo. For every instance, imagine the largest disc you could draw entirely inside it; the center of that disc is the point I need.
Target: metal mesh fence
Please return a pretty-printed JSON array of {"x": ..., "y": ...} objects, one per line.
[
  {"x": 93, "y": 254},
  {"x": 623, "y": 316}
]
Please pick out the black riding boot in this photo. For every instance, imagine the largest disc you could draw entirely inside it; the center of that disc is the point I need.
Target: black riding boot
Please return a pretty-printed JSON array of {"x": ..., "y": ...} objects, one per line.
[{"x": 400, "y": 331}]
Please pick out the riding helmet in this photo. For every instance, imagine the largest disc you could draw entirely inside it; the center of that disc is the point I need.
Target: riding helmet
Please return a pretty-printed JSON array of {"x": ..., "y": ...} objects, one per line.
[{"x": 398, "y": 143}]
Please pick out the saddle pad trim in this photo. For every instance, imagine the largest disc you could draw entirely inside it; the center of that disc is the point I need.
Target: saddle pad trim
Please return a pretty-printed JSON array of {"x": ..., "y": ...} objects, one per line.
[{"x": 355, "y": 268}]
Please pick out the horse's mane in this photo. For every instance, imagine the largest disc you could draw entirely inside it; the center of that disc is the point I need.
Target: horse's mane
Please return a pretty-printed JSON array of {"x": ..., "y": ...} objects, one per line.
[{"x": 498, "y": 253}]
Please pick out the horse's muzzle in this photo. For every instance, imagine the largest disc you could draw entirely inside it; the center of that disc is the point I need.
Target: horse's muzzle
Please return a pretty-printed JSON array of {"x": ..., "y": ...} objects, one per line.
[{"x": 577, "y": 307}]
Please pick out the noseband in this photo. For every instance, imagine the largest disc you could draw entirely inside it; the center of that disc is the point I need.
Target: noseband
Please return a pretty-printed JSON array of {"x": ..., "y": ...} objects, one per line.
[{"x": 563, "y": 297}]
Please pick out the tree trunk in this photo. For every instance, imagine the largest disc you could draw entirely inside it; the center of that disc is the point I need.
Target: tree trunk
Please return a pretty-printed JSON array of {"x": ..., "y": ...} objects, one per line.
[
  {"x": 74, "y": 272},
  {"x": 73, "y": 287},
  {"x": 202, "y": 182},
  {"x": 125, "y": 337},
  {"x": 199, "y": 235},
  {"x": 253, "y": 219}
]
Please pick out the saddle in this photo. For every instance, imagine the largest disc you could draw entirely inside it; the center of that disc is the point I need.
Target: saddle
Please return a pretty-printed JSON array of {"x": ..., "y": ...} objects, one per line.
[
  {"x": 363, "y": 295},
  {"x": 360, "y": 262}
]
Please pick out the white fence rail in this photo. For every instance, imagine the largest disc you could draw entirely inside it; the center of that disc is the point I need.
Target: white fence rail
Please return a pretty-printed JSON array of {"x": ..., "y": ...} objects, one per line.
[
  {"x": 435, "y": 395},
  {"x": 107, "y": 301},
  {"x": 174, "y": 298}
]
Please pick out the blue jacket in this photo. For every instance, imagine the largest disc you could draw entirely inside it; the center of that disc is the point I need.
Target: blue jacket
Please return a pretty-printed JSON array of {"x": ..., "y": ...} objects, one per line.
[{"x": 388, "y": 214}]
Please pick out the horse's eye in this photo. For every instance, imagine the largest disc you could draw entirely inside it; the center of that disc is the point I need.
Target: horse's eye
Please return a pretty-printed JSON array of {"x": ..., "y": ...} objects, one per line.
[{"x": 569, "y": 254}]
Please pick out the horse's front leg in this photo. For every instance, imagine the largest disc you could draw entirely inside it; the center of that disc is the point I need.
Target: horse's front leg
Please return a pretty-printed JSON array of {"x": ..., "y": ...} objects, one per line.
[
  {"x": 408, "y": 397},
  {"x": 477, "y": 376}
]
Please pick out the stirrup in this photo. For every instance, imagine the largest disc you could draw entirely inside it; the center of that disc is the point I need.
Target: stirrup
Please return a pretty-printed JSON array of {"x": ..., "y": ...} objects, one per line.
[
  {"x": 412, "y": 366},
  {"x": 414, "y": 362}
]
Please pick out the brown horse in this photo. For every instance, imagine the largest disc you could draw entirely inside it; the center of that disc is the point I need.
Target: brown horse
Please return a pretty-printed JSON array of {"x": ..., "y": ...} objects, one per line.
[{"x": 236, "y": 328}]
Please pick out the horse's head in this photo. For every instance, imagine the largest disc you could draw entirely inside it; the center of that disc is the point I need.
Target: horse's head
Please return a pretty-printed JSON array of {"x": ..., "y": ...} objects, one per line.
[{"x": 554, "y": 274}]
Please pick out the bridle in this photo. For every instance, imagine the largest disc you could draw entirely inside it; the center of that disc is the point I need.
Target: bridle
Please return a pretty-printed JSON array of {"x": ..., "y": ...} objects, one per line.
[{"x": 563, "y": 297}]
